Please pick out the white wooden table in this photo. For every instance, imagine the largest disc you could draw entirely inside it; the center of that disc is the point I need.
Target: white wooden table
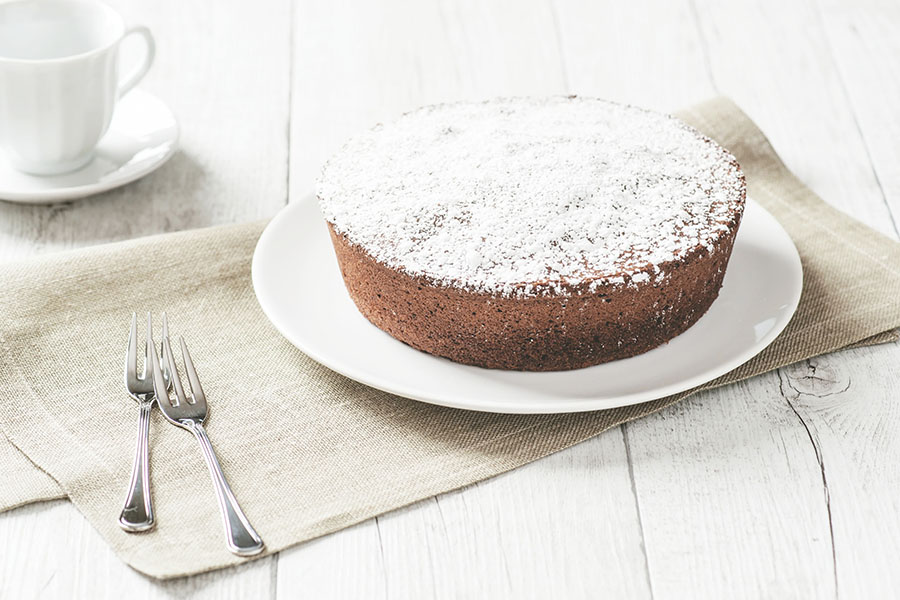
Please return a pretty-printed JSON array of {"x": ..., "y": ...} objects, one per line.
[{"x": 784, "y": 486}]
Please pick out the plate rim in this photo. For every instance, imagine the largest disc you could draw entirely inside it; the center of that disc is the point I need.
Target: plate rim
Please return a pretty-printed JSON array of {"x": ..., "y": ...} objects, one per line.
[
  {"x": 62, "y": 194},
  {"x": 387, "y": 385}
]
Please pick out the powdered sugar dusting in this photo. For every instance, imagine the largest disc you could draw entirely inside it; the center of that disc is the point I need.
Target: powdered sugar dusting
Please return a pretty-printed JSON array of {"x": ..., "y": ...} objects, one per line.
[{"x": 526, "y": 196}]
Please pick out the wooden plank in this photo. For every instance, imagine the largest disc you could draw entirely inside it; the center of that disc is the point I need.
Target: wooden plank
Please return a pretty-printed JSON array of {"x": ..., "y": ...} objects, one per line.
[
  {"x": 564, "y": 525},
  {"x": 356, "y": 64},
  {"x": 346, "y": 564},
  {"x": 864, "y": 42},
  {"x": 561, "y": 527},
  {"x": 849, "y": 402},
  {"x": 50, "y": 551},
  {"x": 773, "y": 59},
  {"x": 786, "y": 82},
  {"x": 224, "y": 69},
  {"x": 726, "y": 503},
  {"x": 819, "y": 128},
  {"x": 731, "y": 497},
  {"x": 643, "y": 52}
]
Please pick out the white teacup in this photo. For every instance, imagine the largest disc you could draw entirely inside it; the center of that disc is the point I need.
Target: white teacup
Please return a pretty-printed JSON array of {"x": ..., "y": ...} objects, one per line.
[{"x": 59, "y": 80}]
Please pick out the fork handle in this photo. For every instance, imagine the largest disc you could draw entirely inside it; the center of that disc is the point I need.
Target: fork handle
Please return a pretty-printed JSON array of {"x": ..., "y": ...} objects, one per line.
[
  {"x": 137, "y": 514},
  {"x": 240, "y": 537}
]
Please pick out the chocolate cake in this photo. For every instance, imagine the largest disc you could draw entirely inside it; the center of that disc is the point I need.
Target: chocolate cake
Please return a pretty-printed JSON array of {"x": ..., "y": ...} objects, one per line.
[{"x": 533, "y": 234}]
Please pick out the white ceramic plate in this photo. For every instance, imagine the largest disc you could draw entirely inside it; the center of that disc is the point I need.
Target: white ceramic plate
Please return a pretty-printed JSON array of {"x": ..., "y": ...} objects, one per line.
[
  {"x": 299, "y": 286},
  {"x": 142, "y": 136}
]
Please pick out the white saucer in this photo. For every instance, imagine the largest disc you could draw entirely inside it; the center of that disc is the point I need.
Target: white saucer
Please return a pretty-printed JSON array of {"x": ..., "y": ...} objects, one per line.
[
  {"x": 299, "y": 286},
  {"x": 142, "y": 136}
]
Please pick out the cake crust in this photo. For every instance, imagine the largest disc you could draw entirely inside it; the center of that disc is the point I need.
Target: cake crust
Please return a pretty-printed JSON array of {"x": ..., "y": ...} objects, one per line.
[{"x": 537, "y": 333}]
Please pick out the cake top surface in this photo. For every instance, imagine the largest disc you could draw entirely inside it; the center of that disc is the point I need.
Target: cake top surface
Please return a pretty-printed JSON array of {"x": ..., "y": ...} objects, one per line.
[{"x": 524, "y": 196}]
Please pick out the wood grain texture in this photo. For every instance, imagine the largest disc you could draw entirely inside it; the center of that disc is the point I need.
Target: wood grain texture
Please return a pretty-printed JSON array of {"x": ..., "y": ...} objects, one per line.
[
  {"x": 50, "y": 551},
  {"x": 821, "y": 139},
  {"x": 848, "y": 402},
  {"x": 644, "y": 52},
  {"x": 565, "y": 526},
  {"x": 782, "y": 486},
  {"x": 225, "y": 71},
  {"x": 773, "y": 59},
  {"x": 346, "y": 564},
  {"x": 719, "y": 516},
  {"x": 357, "y": 64},
  {"x": 731, "y": 497},
  {"x": 864, "y": 42},
  {"x": 849, "y": 409}
]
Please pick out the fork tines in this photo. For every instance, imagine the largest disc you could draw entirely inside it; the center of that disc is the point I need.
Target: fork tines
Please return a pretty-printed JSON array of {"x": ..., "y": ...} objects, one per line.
[
  {"x": 196, "y": 394},
  {"x": 185, "y": 405},
  {"x": 143, "y": 383}
]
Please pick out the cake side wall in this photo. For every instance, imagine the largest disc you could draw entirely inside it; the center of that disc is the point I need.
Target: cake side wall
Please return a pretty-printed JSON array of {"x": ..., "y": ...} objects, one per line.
[{"x": 533, "y": 333}]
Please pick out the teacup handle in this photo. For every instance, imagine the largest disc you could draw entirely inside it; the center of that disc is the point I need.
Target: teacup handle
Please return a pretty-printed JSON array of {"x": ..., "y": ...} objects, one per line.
[{"x": 137, "y": 73}]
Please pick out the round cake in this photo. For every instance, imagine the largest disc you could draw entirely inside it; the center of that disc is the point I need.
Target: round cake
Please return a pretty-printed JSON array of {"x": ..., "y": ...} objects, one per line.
[{"x": 533, "y": 234}]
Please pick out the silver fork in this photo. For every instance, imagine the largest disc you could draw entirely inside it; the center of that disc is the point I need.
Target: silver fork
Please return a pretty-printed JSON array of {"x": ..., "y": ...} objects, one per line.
[
  {"x": 189, "y": 411},
  {"x": 137, "y": 513}
]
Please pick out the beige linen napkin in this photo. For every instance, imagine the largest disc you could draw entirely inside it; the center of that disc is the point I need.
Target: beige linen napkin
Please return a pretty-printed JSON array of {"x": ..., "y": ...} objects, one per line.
[{"x": 307, "y": 451}]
